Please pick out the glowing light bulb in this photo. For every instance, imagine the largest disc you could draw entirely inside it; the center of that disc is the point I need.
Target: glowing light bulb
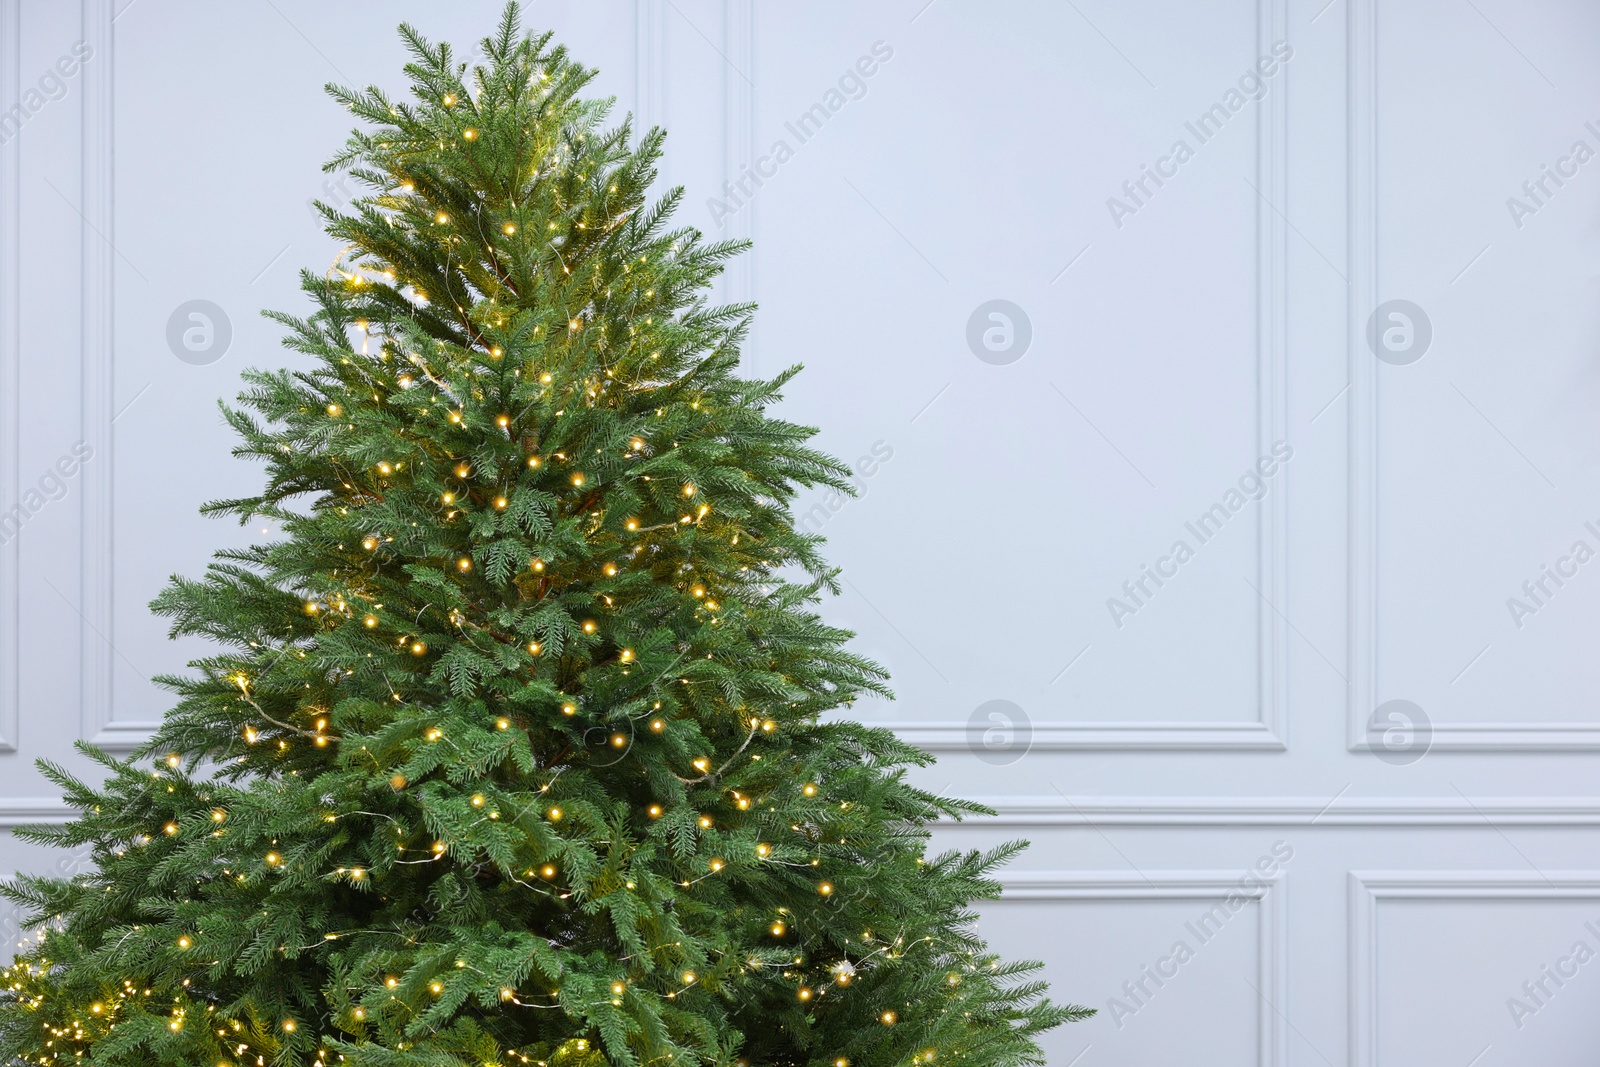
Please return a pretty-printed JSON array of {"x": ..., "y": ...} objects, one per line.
[
  {"x": 510, "y": 228},
  {"x": 654, "y": 811},
  {"x": 419, "y": 648},
  {"x": 463, "y": 564}
]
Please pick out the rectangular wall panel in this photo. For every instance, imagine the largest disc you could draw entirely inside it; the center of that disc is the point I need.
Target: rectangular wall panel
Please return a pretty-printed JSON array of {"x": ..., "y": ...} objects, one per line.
[
  {"x": 10, "y": 370},
  {"x": 1470, "y": 422},
  {"x": 891, "y": 266}
]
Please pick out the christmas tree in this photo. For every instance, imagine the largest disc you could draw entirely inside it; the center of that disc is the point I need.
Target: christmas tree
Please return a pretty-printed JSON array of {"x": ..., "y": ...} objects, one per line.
[{"x": 513, "y": 750}]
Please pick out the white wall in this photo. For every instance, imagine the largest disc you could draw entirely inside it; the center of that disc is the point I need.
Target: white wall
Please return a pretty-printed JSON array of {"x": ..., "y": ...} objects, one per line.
[{"x": 1154, "y": 753}]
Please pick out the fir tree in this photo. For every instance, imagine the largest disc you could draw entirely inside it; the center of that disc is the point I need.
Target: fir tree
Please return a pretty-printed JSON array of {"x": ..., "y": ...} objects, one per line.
[{"x": 513, "y": 748}]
